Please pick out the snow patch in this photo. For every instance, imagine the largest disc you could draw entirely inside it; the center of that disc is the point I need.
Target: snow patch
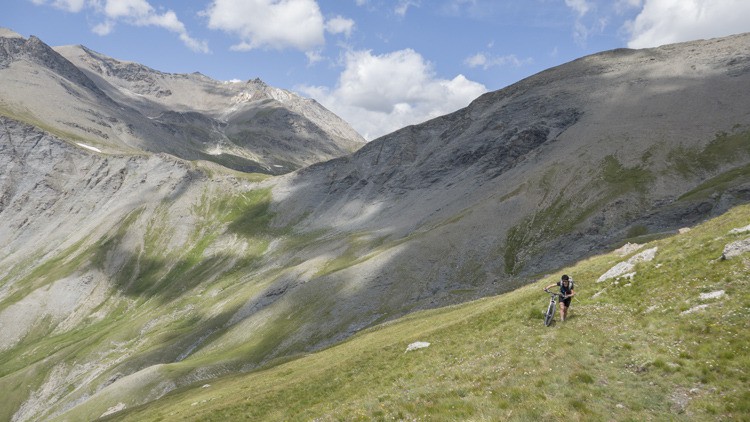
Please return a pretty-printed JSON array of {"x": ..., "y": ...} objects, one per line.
[{"x": 89, "y": 147}]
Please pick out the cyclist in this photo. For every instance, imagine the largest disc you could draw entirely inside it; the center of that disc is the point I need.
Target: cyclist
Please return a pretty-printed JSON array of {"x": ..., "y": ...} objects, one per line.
[{"x": 567, "y": 292}]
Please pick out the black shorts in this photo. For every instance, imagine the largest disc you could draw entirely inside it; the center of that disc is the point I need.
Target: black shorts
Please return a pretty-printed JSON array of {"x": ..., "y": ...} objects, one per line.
[{"x": 566, "y": 301}]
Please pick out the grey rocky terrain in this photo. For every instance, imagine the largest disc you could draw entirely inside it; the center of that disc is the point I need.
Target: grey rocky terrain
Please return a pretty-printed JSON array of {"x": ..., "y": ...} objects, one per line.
[
  {"x": 119, "y": 107},
  {"x": 129, "y": 272}
]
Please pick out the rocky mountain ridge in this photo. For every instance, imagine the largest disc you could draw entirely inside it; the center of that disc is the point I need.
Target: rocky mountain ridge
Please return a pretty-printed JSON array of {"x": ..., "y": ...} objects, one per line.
[
  {"x": 149, "y": 273},
  {"x": 597, "y": 118},
  {"x": 120, "y": 107}
]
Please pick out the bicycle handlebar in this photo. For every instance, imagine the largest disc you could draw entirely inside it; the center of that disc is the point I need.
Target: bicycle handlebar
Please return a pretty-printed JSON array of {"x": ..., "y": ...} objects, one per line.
[{"x": 555, "y": 293}]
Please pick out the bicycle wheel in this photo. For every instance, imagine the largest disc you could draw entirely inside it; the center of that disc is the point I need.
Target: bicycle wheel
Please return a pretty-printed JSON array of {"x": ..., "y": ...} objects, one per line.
[{"x": 550, "y": 314}]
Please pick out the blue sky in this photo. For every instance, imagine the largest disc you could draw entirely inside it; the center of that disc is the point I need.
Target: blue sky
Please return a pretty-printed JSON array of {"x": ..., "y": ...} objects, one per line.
[{"x": 379, "y": 64}]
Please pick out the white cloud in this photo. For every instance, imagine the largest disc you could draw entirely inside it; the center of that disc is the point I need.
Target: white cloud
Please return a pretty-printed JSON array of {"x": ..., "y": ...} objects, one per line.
[
  {"x": 580, "y": 33},
  {"x": 131, "y": 12},
  {"x": 378, "y": 94},
  {"x": 470, "y": 8},
  {"x": 488, "y": 61},
  {"x": 70, "y": 5},
  {"x": 403, "y": 6},
  {"x": 580, "y": 30},
  {"x": 477, "y": 60},
  {"x": 622, "y": 6},
  {"x": 103, "y": 28},
  {"x": 73, "y": 6},
  {"x": 128, "y": 9},
  {"x": 579, "y": 6},
  {"x": 669, "y": 21},
  {"x": 340, "y": 25},
  {"x": 313, "y": 56},
  {"x": 274, "y": 24}
]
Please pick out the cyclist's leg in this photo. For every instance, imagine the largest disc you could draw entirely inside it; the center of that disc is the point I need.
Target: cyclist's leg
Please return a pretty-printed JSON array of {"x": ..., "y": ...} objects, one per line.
[{"x": 563, "y": 310}]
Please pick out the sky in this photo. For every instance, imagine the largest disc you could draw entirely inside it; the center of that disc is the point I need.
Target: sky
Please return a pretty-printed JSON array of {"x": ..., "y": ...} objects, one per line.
[{"x": 379, "y": 64}]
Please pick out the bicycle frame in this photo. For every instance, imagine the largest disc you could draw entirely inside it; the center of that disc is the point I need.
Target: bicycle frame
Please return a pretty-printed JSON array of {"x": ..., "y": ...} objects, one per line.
[{"x": 550, "y": 315}]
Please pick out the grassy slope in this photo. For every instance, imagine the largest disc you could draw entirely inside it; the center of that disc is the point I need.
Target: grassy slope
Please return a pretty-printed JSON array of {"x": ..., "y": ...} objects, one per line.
[
  {"x": 627, "y": 354},
  {"x": 157, "y": 308}
]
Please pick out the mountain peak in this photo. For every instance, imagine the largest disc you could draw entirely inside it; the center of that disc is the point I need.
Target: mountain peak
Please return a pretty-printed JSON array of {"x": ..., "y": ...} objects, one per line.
[
  {"x": 257, "y": 81},
  {"x": 35, "y": 50},
  {"x": 9, "y": 33}
]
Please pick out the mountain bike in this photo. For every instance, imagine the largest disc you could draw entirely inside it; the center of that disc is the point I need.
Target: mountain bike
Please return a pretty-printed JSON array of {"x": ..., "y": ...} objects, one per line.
[{"x": 553, "y": 299}]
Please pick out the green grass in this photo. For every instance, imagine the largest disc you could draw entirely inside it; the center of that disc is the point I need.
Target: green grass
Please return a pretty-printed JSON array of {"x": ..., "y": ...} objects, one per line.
[
  {"x": 51, "y": 269},
  {"x": 163, "y": 298},
  {"x": 723, "y": 149},
  {"x": 359, "y": 247},
  {"x": 27, "y": 117},
  {"x": 719, "y": 184},
  {"x": 637, "y": 231},
  {"x": 622, "y": 179},
  {"x": 628, "y": 353}
]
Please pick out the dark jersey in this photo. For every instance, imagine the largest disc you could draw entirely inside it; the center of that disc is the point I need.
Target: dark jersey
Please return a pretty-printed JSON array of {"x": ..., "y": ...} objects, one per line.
[{"x": 565, "y": 291}]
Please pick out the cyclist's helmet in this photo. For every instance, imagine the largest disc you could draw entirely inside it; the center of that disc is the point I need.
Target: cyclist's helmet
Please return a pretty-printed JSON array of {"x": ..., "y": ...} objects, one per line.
[{"x": 565, "y": 277}]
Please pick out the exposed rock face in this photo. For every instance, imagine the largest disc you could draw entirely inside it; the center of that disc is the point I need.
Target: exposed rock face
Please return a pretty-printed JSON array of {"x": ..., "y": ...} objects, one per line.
[
  {"x": 126, "y": 107},
  {"x": 55, "y": 193},
  {"x": 628, "y": 120},
  {"x": 171, "y": 272},
  {"x": 283, "y": 130}
]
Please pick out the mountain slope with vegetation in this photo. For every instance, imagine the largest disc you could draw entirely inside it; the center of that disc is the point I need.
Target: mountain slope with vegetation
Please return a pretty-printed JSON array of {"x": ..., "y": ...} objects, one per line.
[
  {"x": 127, "y": 274},
  {"x": 672, "y": 341}
]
